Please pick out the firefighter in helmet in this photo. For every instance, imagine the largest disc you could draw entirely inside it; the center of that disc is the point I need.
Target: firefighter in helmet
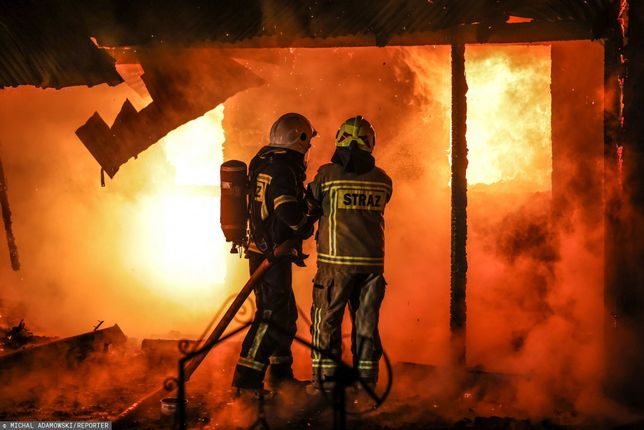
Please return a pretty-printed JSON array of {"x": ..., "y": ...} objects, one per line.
[
  {"x": 349, "y": 196},
  {"x": 277, "y": 213}
]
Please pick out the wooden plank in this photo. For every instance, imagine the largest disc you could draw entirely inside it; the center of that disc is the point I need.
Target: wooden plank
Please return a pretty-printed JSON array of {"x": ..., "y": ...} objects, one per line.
[
  {"x": 458, "y": 280},
  {"x": 6, "y": 218}
]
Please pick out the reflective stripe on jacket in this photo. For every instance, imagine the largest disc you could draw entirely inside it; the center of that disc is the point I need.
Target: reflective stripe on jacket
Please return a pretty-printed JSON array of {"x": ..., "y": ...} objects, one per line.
[
  {"x": 277, "y": 205},
  {"x": 350, "y": 206}
]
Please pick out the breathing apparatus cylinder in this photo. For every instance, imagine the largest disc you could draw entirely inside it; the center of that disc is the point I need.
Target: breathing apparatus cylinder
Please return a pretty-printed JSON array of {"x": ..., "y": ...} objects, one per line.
[{"x": 234, "y": 205}]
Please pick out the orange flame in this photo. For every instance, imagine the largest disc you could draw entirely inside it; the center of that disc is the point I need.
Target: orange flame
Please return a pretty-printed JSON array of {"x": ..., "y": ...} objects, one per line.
[
  {"x": 508, "y": 116},
  {"x": 176, "y": 241},
  {"x": 508, "y": 111}
]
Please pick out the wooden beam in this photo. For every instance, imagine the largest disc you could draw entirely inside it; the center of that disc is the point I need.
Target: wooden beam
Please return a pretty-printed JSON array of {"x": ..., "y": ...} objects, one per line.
[
  {"x": 624, "y": 195},
  {"x": 458, "y": 280},
  {"x": 6, "y": 218},
  {"x": 61, "y": 354},
  {"x": 531, "y": 32}
]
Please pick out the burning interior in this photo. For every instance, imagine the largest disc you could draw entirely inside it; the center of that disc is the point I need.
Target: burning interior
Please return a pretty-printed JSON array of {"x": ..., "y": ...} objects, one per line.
[{"x": 505, "y": 187}]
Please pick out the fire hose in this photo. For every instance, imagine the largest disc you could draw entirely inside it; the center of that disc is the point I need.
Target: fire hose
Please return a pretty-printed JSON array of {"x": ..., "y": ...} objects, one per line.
[{"x": 155, "y": 396}]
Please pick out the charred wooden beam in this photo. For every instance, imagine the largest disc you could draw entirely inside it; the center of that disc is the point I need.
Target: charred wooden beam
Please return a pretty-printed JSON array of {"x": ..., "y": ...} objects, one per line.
[
  {"x": 614, "y": 236},
  {"x": 624, "y": 220},
  {"x": 6, "y": 218},
  {"x": 458, "y": 312},
  {"x": 61, "y": 354},
  {"x": 532, "y": 32},
  {"x": 304, "y": 22},
  {"x": 48, "y": 43},
  {"x": 184, "y": 85}
]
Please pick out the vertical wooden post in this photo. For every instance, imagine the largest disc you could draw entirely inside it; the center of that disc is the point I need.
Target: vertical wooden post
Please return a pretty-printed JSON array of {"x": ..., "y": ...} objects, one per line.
[
  {"x": 458, "y": 311},
  {"x": 6, "y": 217},
  {"x": 624, "y": 195},
  {"x": 613, "y": 236}
]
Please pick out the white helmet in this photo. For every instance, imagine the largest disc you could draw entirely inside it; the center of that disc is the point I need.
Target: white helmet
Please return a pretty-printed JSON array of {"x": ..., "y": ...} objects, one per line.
[{"x": 292, "y": 131}]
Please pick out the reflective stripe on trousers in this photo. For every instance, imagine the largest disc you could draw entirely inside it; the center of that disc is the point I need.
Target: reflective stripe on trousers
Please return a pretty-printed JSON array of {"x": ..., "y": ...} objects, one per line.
[
  {"x": 363, "y": 293},
  {"x": 264, "y": 344}
]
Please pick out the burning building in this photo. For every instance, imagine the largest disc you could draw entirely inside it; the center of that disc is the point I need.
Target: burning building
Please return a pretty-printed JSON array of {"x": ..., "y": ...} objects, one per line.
[{"x": 511, "y": 131}]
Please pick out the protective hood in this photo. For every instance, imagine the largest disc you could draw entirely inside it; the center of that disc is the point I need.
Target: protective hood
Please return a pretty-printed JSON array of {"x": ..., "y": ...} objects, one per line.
[{"x": 353, "y": 159}]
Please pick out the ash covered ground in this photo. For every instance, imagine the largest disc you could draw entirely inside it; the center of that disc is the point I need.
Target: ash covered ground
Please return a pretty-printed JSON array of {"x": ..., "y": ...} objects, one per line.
[{"x": 101, "y": 384}]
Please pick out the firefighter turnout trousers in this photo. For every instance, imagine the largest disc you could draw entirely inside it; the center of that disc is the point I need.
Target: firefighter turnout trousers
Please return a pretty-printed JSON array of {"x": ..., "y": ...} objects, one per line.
[
  {"x": 332, "y": 291},
  {"x": 264, "y": 344}
]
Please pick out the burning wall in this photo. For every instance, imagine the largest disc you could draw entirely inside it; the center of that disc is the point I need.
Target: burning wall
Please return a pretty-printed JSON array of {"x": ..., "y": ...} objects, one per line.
[
  {"x": 147, "y": 252},
  {"x": 535, "y": 279}
]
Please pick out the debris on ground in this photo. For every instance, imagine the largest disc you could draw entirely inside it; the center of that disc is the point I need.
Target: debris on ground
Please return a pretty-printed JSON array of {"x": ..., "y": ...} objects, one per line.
[{"x": 19, "y": 336}]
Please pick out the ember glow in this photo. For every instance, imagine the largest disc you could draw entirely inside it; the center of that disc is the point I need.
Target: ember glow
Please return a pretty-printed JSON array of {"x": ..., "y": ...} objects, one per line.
[{"x": 508, "y": 115}]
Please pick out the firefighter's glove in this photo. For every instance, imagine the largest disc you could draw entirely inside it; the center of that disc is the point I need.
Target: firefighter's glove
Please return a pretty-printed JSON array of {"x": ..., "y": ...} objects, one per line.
[
  {"x": 307, "y": 229},
  {"x": 294, "y": 255},
  {"x": 272, "y": 258},
  {"x": 297, "y": 257}
]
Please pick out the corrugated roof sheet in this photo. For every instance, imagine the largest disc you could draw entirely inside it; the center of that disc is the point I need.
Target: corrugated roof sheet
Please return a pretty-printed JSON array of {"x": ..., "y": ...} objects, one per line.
[
  {"x": 146, "y": 21},
  {"x": 42, "y": 45},
  {"x": 46, "y": 42}
]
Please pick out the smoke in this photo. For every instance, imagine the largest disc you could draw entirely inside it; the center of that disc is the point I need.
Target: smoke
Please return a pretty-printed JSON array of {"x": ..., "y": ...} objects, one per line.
[
  {"x": 99, "y": 387},
  {"x": 535, "y": 284},
  {"x": 80, "y": 244},
  {"x": 59, "y": 217},
  {"x": 412, "y": 143},
  {"x": 535, "y": 307},
  {"x": 534, "y": 287}
]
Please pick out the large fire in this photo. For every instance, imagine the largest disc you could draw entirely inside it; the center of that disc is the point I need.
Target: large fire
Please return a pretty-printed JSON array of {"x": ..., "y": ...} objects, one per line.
[
  {"x": 175, "y": 240},
  {"x": 508, "y": 116},
  {"x": 150, "y": 249},
  {"x": 508, "y": 111}
]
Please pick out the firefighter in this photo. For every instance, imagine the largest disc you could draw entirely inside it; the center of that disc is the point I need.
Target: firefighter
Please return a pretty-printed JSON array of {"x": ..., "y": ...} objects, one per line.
[
  {"x": 277, "y": 213},
  {"x": 349, "y": 196}
]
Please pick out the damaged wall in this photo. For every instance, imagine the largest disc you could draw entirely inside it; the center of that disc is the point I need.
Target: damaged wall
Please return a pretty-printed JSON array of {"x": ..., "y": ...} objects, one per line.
[{"x": 76, "y": 233}]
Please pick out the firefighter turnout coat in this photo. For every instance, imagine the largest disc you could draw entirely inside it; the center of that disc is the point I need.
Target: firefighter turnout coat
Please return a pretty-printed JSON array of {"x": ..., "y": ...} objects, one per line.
[
  {"x": 351, "y": 256},
  {"x": 351, "y": 232},
  {"x": 277, "y": 204},
  {"x": 277, "y": 213}
]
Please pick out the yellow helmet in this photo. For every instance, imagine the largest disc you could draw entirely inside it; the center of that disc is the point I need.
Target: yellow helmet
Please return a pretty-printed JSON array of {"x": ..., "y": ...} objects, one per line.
[
  {"x": 292, "y": 131},
  {"x": 358, "y": 130}
]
